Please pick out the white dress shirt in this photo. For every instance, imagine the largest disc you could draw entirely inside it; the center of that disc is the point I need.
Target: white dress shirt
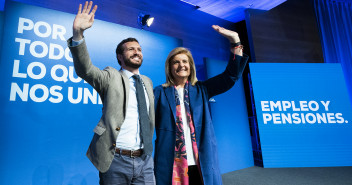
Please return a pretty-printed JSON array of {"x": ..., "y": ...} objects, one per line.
[{"x": 129, "y": 136}]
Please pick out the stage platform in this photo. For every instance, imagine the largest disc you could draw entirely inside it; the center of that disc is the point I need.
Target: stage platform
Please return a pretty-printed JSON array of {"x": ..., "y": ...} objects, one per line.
[{"x": 289, "y": 176}]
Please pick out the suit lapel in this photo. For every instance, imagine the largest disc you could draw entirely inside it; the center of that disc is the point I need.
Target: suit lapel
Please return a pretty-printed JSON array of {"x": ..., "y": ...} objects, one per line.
[
  {"x": 127, "y": 89},
  {"x": 149, "y": 88},
  {"x": 194, "y": 104},
  {"x": 170, "y": 96}
]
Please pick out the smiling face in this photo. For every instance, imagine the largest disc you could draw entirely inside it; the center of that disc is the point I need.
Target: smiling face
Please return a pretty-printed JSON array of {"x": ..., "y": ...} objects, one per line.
[
  {"x": 180, "y": 67},
  {"x": 132, "y": 56}
]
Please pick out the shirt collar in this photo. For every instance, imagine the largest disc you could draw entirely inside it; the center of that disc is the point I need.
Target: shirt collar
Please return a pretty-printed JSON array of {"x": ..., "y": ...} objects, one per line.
[{"x": 128, "y": 73}]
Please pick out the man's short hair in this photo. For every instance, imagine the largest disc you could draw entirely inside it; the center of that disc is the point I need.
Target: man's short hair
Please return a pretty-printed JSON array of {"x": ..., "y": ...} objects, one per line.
[{"x": 119, "y": 48}]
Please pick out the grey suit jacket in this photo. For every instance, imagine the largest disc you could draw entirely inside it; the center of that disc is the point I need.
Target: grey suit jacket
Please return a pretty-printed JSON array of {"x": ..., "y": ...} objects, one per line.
[{"x": 113, "y": 88}]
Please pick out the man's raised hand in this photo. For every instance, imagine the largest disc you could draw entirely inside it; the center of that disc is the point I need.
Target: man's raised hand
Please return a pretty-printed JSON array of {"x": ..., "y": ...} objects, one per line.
[{"x": 84, "y": 20}]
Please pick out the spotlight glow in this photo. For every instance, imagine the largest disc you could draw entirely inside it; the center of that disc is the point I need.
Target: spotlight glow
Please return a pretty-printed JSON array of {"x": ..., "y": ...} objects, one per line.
[{"x": 150, "y": 21}]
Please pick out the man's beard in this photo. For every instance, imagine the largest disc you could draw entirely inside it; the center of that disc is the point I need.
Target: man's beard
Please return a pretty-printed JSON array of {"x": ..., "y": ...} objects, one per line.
[{"x": 129, "y": 63}]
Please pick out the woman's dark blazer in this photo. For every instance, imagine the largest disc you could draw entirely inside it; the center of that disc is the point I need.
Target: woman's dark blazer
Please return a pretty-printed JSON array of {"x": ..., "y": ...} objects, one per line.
[{"x": 165, "y": 116}]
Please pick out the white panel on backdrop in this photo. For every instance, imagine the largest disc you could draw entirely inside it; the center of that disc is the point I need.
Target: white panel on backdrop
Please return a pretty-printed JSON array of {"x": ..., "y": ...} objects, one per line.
[{"x": 47, "y": 113}]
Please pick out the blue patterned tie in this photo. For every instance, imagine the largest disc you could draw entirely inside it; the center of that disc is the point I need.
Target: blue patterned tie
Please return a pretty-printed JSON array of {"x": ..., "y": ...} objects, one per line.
[{"x": 144, "y": 121}]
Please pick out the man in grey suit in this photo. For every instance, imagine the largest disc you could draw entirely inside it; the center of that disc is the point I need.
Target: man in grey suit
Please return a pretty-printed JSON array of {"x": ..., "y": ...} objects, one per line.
[{"x": 121, "y": 146}]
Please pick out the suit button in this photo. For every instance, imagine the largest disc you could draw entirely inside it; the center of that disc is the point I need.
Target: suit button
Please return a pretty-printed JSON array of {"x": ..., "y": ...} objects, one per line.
[
  {"x": 114, "y": 145},
  {"x": 117, "y": 129}
]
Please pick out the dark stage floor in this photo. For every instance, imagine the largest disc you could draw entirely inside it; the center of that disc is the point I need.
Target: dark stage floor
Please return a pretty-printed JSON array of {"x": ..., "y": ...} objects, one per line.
[{"x": 289, "y": 176}]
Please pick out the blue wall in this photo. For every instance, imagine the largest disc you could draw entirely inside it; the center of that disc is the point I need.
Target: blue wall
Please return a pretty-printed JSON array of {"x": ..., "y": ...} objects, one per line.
[
  {"x": 1, "y": 27},
  {"x": 44, "y": 133},
  {"x": 46, "y": 141},
  {"x": 172, "y": 18},
  {"x": 2, "y": 3},
  {"x": 230, "y": 121}
]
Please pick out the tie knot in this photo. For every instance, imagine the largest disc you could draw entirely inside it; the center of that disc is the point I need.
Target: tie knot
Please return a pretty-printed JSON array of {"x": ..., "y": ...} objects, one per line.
[{"x": 136, "y": 77}]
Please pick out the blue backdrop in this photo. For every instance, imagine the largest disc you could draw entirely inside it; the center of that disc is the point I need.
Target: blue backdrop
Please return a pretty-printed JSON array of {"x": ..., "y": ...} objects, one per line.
[
  {"x": 1, "y": 27},
  {"x": 2, "y": 3},
  {"x": 304, "y": 115},
  {"x": 334, "y": 19},
  {"x": 47, "y": 113},
  {"x": 230, "y": 119}
]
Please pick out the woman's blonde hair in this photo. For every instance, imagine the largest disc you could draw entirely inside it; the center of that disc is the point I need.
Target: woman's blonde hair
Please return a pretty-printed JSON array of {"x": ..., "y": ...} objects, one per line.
[{"x": 192, "y": 79}]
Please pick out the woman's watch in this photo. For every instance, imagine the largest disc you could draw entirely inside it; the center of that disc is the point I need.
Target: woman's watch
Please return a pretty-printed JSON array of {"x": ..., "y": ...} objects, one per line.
[{"x": 233, "y": 45}]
